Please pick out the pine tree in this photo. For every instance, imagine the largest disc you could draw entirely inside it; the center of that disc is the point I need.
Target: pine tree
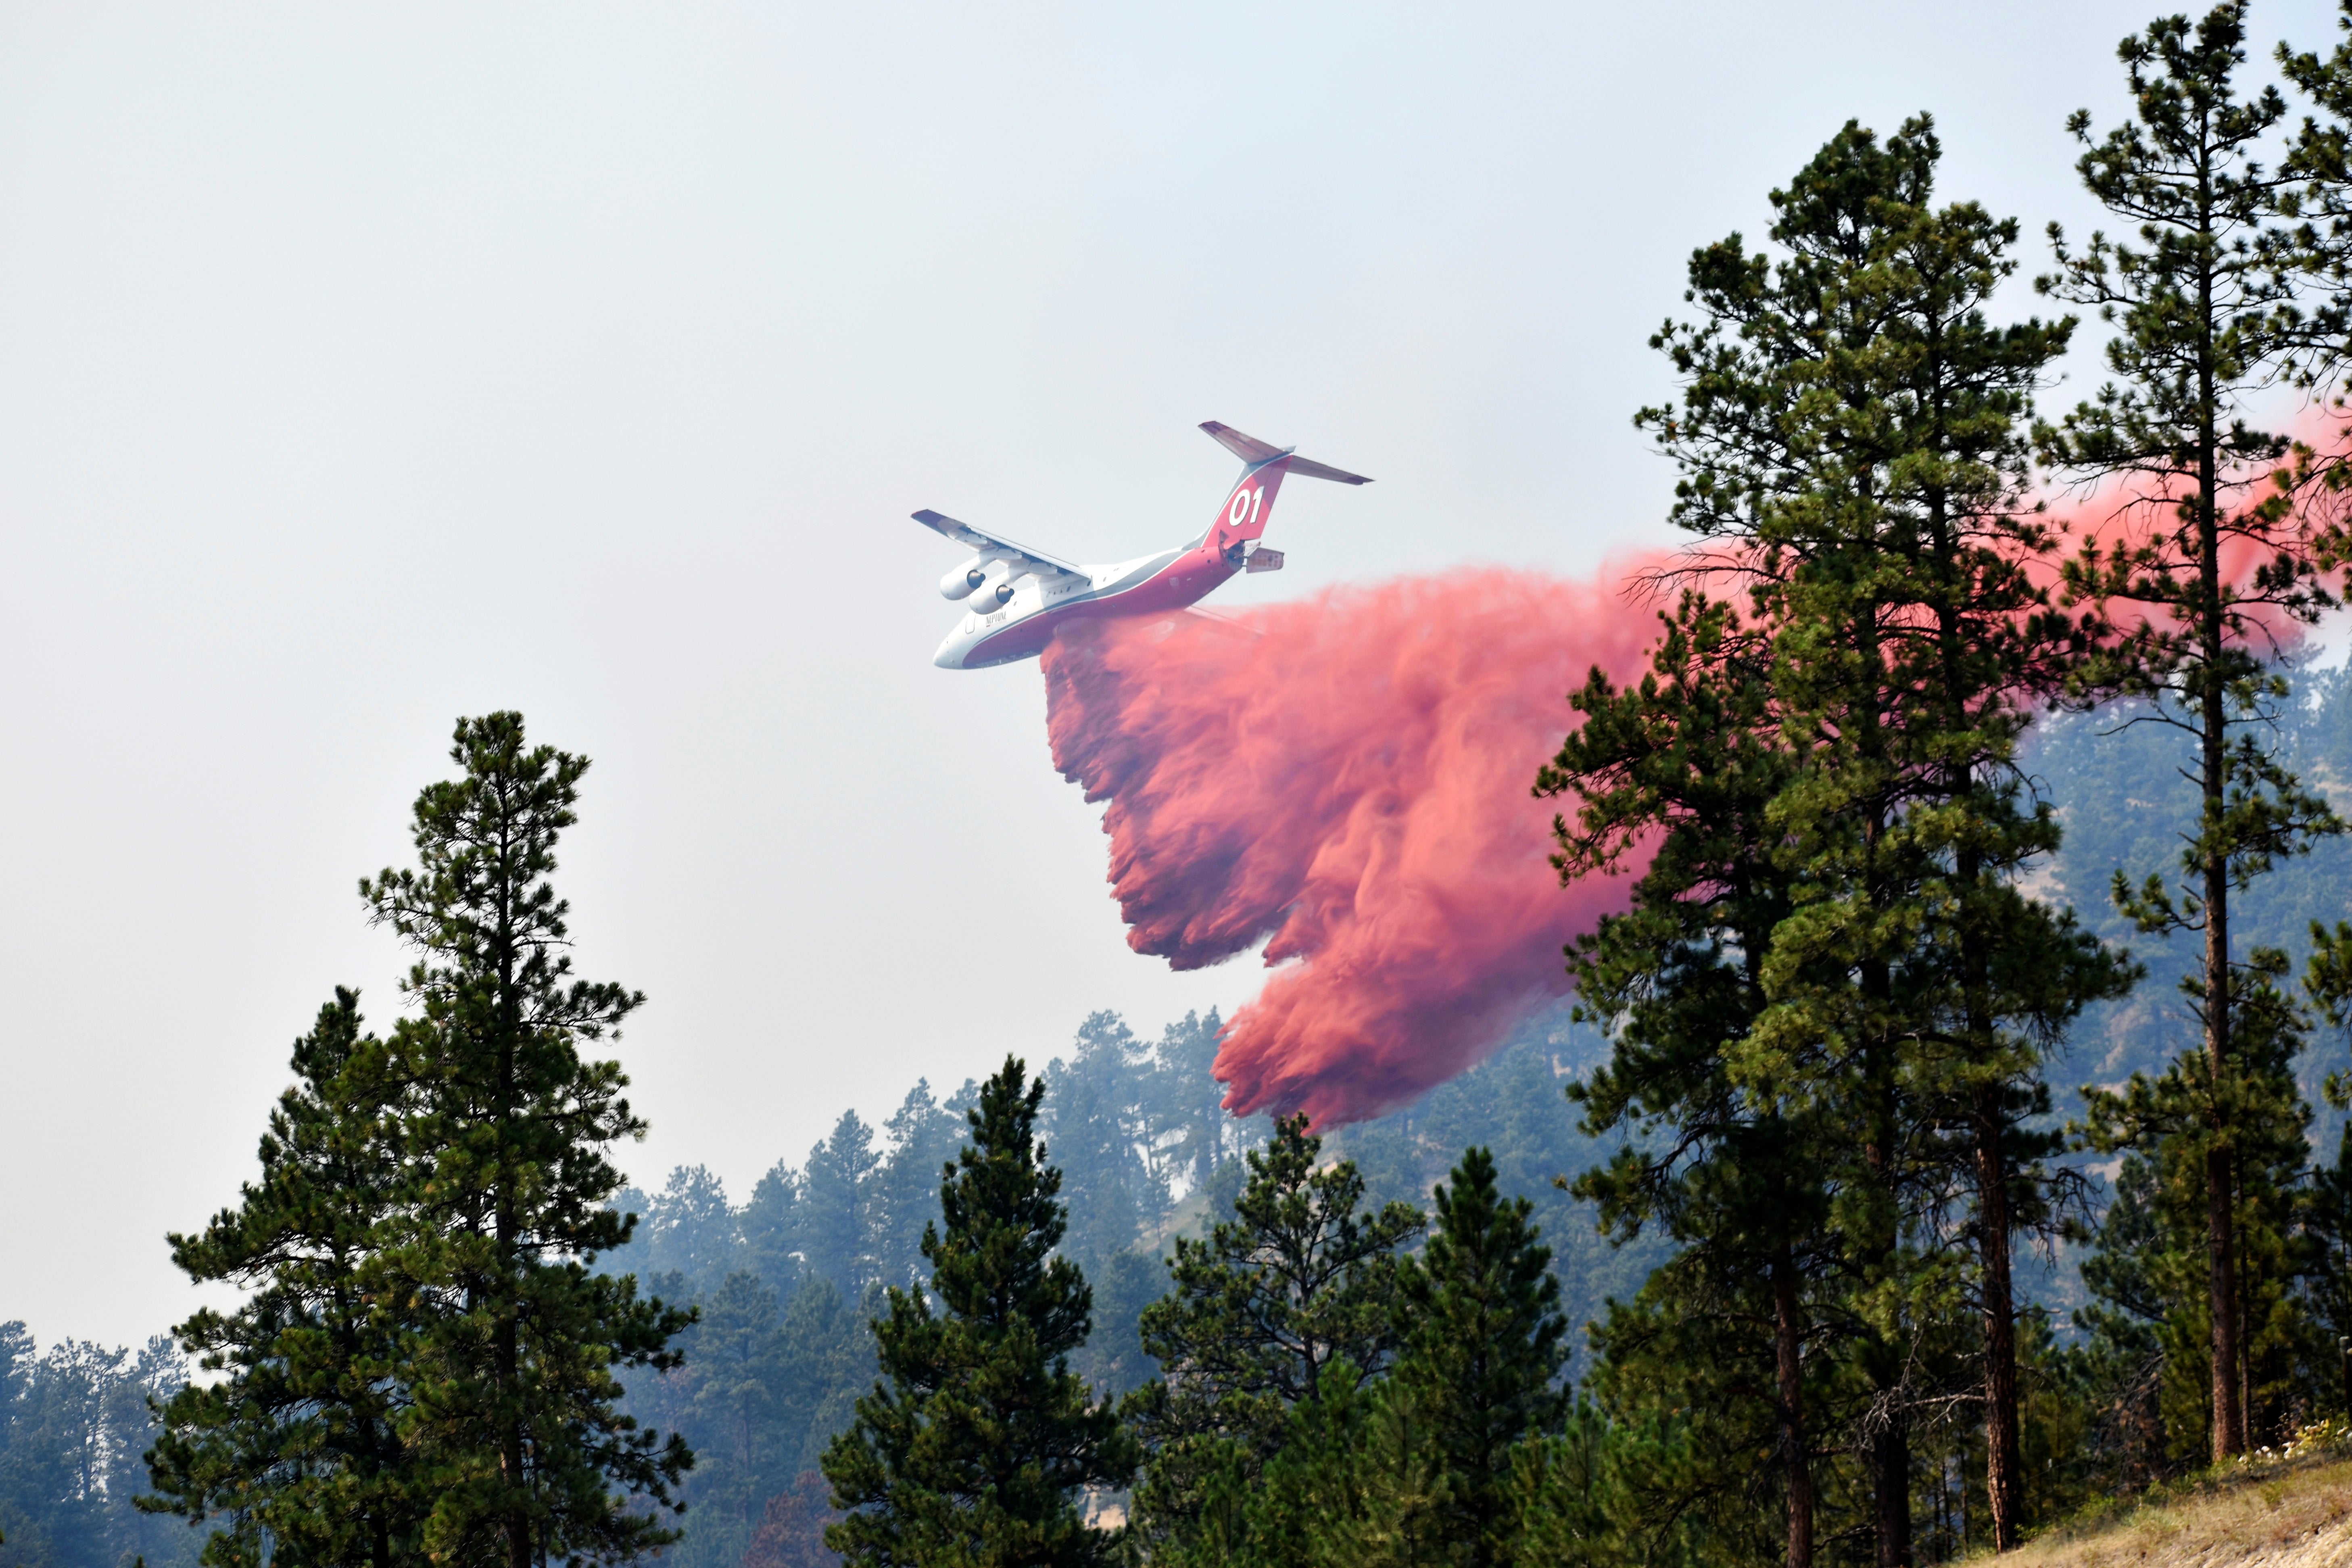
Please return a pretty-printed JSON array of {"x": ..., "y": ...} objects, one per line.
[
  {"x": 1912, "y": 643},
  {"x": 1114, "y": 1362},
  {"x": 1570, "y": 1495},
  {"x": 972, "y": 1449},
  {"x": 770, "y": 1227},
  {"x": 502, "y": 1126},
  {"x": 1297, "y": 1282},
  {"x": 837, "y": 1206},
  {"x": 923, "y": 1137},
  {"x": 300, "y": 1447},
  {"x": 1479, "y": 1312},
  {"x": 73, "y": 1420},
  {"x": 1352, "y": 1485},
  {"x": 733, "y": 1380},
  {"x": 828, "y": 1363},
  {"x": 1187, "y": 1100},
  {"x": 691, "y": 1230},
  {"x": 1096, "y": 1129},
  {"x": 2199, "y": 302},
  {"x": 1850, "y": 436},
  {"x": 1687, "y": 760}
]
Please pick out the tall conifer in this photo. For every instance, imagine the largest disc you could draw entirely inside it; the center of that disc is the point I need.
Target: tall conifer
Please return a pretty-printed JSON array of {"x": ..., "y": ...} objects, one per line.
[
  {"x": 298, "y": 1449},
  {"x": 973, "y": 1448},
  {"x": 1912, "y": 645},
  {"x": 2200, "y": 304},
  {"x": 1480, "y": 1314},
  {"x": 503, "y": 1124},
  {"x": 1297, "y": 1282},
  {"x": 1687, "y": 763},
  {"x": 1849, "y": 433},
  {"x": 425, "y": 1367}
]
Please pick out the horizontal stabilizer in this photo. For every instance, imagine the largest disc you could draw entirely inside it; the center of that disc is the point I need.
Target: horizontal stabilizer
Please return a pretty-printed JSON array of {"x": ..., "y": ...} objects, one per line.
[
  {"x": 1253, "y": 451},
  {"x": 1314, "y": 470}
]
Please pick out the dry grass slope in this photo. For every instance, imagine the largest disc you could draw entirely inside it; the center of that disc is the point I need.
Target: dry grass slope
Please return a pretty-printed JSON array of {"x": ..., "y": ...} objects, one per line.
[{"x": 2293, "y": 1514}]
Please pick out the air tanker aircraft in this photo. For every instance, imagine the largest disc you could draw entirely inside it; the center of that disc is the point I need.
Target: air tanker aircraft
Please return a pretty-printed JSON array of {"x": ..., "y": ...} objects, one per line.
[{"x": 1016, "y": 597}]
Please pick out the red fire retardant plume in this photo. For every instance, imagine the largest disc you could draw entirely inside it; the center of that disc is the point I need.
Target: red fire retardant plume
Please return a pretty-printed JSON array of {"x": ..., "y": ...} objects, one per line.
[{"x": 1349, "y": 777}]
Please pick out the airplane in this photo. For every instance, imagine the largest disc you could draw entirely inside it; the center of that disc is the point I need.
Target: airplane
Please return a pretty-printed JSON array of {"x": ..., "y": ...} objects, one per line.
[{"x": 1016, "y": 597}]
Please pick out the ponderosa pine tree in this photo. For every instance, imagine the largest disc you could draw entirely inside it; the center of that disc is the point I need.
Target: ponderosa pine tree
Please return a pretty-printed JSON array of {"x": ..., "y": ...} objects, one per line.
[
  {"x": 837, "y": 1207},
  {"x": 1912, "y": 643},
  {"x": 1306, "y": 1507},
  {"x": 974, "y": 1447},
  {"x": 2161, "y": 1119},
  {"x": 1096, "y": 1131},
  {"x": 1478, "y": 1315},
  {"x": 1297, "y": 1282},
  {"x": 923, "y": 1137},
  {"x": 731, "y": 1388},
  {"x": 1849, "y": 432},
  {"x": 299, "y": 1451},
  {"x": 1187, "y": 1100},
  {"x": 509, "y": 1357},
  {"x": 770, "y": 1227},
  {"x": 1687, "y": 763},
  {"x": 690, "y": 1229},
  {"x": 2200, "y": 304}
]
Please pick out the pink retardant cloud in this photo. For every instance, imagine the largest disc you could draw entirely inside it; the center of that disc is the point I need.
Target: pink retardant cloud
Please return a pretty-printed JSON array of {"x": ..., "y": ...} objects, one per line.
[{"x": 1348, "y": 777}]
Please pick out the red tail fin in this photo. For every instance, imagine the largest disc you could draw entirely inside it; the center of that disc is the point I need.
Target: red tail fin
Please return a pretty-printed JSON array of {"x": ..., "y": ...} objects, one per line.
[{"x": 1246, "y": 509}]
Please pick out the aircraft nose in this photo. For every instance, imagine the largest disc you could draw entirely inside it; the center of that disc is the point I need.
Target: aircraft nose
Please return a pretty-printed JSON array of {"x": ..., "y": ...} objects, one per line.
[{"x": 950, "y": 656}]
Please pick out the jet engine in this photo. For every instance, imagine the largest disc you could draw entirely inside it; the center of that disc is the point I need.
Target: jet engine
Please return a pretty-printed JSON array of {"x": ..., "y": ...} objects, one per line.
[
  {"x": 961, "y": 582},
  {"x": 996, "y": 596}
]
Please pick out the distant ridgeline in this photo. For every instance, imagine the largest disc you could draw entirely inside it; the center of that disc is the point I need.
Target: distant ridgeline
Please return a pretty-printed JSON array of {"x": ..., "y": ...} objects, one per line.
[{"x": 2123, "y": 800}]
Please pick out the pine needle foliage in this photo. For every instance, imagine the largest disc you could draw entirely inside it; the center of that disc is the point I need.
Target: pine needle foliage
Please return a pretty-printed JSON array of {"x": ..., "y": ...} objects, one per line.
[
  {"x": 425, "y": 1367},
  {"x": 298, "y": 1449},
  {"x": 1482, "y": 1348},
  {"x": 2202, "y": 300},
  {"x": 1296, "y": 1288},
  {"x": 974, "y": 1448},
  {"x": 502, "y": 1126}
]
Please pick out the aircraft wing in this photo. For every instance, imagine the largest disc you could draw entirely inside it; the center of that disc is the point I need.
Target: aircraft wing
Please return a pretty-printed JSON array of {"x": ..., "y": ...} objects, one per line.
[{"x": 963, "y": 533}]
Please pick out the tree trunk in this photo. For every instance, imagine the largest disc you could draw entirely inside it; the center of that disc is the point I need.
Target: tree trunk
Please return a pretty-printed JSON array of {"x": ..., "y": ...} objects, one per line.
[
  {"x": 1890, "y": 1441},
  {"x": 1890, "y": 1480},
  {"x": 1789, "y": 1345},
  {"x": 2002, "y": 1489},
  {"x": 507, "y": 1348},
  {"x": 2220, "y": 1238}
]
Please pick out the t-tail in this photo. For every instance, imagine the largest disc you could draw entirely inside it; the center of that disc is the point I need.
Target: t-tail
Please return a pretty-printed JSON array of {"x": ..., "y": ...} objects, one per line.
[{"x": 1235, "y": 532}]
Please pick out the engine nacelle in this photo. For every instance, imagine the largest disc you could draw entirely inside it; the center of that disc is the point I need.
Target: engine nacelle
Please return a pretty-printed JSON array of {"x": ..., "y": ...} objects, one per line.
[
  {"x": 996, "y": 596},
  {"x": 961, "y": 582}
]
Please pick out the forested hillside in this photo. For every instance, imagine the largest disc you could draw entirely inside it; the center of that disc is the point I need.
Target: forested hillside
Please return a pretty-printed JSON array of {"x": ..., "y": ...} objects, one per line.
[
  {"x": 788, "y": 1279},
  {"x": 2122, "y": 798},
  {"x": 74, "y": 1427}
]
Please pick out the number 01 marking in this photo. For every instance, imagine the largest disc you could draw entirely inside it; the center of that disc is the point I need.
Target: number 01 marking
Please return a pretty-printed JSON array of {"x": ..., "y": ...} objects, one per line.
[{"x": 1245, "y": 507}]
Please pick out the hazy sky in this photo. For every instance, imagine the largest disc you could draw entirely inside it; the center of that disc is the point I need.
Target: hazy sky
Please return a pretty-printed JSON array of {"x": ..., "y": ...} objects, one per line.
[{"x": 360, "y": 369}]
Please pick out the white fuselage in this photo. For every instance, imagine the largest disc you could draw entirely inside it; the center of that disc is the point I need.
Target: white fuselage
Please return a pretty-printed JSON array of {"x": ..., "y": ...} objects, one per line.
[{"x": 1021, "y": 626}]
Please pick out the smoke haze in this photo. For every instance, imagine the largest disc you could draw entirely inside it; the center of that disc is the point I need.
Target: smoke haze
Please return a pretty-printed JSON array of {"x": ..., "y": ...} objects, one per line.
[{"x": 1348, "y": 777}]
